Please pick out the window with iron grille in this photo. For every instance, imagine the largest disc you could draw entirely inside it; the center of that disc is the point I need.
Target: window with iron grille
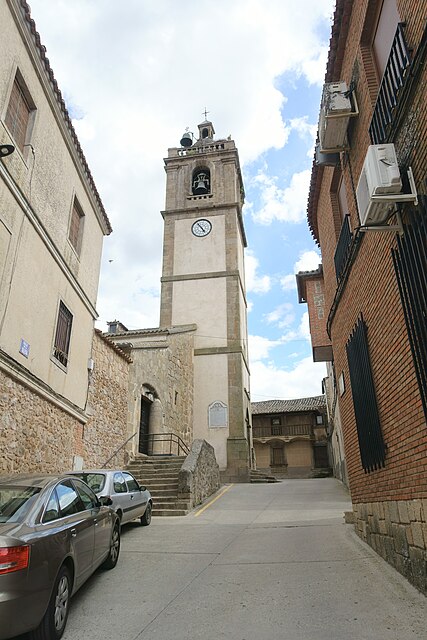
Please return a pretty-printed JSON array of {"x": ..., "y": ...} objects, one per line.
[
  {"x": 410, "y": 263},
  {"x": 18, "y": 113},
  {"x": 371, "y": 444},
  {"x": 75, "y": 232},
  {"x": 61, "y": 345}
]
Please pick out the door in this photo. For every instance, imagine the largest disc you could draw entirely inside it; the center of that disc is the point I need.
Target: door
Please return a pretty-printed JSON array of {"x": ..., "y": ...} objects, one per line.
[
  {"x": 137, "y": 498},
  {"x": 144, "y": 425}
]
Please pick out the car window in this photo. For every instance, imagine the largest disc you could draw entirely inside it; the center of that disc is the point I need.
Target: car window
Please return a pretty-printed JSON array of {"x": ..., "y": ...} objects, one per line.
[
  {"x": 96, "y": 481},
  {"x": 52, "y": 508},
  {"x": 16, "y": 502},
  {"x": 87, "y": 496},
  {"x": 131, "y": 482},
  {"x": 119, "y": 483},
  {"x": 68, "y": 498}
]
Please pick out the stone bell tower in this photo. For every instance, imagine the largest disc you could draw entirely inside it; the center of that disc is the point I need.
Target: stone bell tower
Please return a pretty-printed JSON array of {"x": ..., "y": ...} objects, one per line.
[{"x": 203, "y": 282}]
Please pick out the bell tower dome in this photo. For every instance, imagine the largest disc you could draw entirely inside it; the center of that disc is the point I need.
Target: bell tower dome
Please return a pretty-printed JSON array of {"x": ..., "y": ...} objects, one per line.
[{"x": 203, "y": 283}]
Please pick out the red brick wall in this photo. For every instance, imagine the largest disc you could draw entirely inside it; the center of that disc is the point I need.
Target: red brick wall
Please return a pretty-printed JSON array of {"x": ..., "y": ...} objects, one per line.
[{"x": 371, "y": 288}]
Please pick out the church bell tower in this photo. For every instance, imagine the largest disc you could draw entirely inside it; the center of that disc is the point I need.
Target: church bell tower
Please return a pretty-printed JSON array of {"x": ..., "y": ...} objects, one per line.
[{"x": 203, "y": 283}]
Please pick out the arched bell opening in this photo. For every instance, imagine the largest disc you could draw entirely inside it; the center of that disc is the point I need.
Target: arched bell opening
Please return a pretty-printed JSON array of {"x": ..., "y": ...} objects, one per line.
[{"x": 201, "y": 181}]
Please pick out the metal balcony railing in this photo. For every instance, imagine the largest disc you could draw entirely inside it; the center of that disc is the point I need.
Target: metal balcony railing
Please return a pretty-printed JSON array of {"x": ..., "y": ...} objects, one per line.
[
  {"x": 282, "y": 430},
  {"x": 390, "y": 91},
  {"x": 343, "y": 247}
]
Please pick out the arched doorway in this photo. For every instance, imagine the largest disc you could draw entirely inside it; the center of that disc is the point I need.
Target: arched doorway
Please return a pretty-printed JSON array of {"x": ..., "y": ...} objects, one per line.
[{"x": 148, "y": 396}]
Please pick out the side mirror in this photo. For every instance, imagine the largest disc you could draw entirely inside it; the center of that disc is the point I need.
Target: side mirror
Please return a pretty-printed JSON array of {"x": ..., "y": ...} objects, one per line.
[
  {"x": 142, "y": 488},
  {"x": 105, "y": 501}
]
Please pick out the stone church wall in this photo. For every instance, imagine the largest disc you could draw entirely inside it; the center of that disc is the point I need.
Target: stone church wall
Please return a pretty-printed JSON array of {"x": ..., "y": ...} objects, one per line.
[
  {"x": 106, "y": 429},
  {"x": 163, "y": 363}
]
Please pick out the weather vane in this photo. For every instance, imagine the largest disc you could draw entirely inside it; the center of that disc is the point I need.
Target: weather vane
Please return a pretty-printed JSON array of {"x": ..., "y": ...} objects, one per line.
[{"x": 205, "y": 113}]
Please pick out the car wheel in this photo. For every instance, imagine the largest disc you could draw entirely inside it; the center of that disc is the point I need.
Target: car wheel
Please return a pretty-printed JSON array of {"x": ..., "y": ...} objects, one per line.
[
  {"x": 146, "y": 518},
  {"x": 113, "y": 554},
  {"x": 54, "y": 620}
]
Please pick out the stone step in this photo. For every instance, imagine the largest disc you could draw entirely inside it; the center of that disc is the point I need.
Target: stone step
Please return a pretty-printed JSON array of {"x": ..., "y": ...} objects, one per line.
[
  {"x": 173, "y": 503},
  {"x": 155, "y": 467},
  {"x": 170, "y": 512},
  {"x": 161, "y": 473}
]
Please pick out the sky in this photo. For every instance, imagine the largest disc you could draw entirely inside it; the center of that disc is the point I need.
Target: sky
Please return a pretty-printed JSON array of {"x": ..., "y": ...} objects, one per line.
[{"x": 134, "y": 75}]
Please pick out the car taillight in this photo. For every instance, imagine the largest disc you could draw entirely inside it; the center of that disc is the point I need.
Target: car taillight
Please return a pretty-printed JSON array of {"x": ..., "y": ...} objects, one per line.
[{"x": 14, "y": 558}]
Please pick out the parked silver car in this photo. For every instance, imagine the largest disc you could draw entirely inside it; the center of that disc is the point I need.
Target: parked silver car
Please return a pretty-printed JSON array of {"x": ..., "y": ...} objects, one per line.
[
  {"x": 54, "y": 533},
  {"x": 120, "y": 490}
]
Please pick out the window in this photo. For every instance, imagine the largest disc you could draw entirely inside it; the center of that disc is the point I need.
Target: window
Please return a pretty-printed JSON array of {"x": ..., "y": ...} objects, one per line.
[
  {"x": 69, "y": 501},
  {"x": 371, "y": 444},
  {"x": 119, "y": 483},
  {"x": 87, "y": 496},
  {"x": 319, "y": 419},
  {"x": 201, "y": 183},
  {"x": 18, "y": 114},
  {"x": 52, "y": 509},
  {"x": 384, "y": 35},
  {"x": 277, "y": 456},
  {"x": 131, "y": 482},
  {"x": 276, "y": 421},
  {"x": 63, "y": 334},
  {"x": 75, "y": 232}
]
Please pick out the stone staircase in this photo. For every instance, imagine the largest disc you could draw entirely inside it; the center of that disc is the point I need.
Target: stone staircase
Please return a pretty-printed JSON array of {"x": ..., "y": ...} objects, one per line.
[
  {"x": 160, "y": 475},
  {"x": 260, "y": 476}
]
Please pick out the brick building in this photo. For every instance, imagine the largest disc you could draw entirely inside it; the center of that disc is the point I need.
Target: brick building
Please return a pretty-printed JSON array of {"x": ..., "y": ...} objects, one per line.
[{"x": 370, "y": 161}]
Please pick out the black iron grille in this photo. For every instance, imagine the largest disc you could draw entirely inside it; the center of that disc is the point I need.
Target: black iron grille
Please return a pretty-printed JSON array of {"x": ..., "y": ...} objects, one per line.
[
  {"x": 371, "y": 443},
  {"x": 343, "y": 248},
  {"x": 391, "y": 87},
  {"x": 410, "y": 263}
]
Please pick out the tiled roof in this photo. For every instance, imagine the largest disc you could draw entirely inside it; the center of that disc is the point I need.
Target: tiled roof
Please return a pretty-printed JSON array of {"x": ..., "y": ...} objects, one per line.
[
  {"x": 53, "y": 83},
  {"x": 316, "y": 403},
  {"x": 105, "y": 337}
]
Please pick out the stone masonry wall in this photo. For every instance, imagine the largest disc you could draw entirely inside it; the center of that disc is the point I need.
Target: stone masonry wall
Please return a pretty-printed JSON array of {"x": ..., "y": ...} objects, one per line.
[
  {"x": 199, "y": 475},
  {"x": 106, "y": 429},
  {"x": 35, "y": 435},
  {"x": 397, "y": 530},
  {"x": 167, "y": 368}
]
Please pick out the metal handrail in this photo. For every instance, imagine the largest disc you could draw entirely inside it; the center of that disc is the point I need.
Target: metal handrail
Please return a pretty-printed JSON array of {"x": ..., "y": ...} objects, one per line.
[
  {"x": 172, "y": 438},
  {"x": 119, "y": 449}
]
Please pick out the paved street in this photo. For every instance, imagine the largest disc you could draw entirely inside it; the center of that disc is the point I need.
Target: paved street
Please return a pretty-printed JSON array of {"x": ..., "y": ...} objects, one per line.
[{"x": 264, "y": 561}]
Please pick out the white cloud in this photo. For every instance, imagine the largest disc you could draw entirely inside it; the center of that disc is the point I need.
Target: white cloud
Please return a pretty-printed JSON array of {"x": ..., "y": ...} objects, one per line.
[
  {"x": 254, "y": 282},
  {"x": 288, "y": 283},
  {"x": 260, "y": 347},
  {"x": 282, "y": 316},
  {"x": 285, "y": 205},
  {"x": 303, "y": 380},
  {"x": 308, "y": 261}
]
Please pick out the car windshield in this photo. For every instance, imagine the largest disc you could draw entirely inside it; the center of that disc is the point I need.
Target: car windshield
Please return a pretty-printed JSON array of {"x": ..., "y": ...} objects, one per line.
[
  {"x": 96, "y": 481},
  {"x": 16, "y": 502}
]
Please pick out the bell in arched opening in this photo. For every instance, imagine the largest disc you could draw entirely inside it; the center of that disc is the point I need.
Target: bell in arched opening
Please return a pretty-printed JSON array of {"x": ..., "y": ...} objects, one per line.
[{"x": 201, "y": 182}]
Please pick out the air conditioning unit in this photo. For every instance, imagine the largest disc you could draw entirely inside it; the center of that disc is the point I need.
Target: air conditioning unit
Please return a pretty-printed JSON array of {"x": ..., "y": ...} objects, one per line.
[
  {"x": 380, "y": 176},
  {"x": 336, "y": 110}
]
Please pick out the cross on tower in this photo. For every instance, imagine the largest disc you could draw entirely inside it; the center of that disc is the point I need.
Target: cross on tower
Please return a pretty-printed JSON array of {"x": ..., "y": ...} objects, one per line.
[{"x": 205, "y": 113}]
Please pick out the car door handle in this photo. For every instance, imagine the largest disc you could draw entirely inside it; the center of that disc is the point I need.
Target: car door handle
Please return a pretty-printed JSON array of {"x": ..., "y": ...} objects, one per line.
[
  {"x": 131, "y": 497},
  {"x": 74, "y": 532}
]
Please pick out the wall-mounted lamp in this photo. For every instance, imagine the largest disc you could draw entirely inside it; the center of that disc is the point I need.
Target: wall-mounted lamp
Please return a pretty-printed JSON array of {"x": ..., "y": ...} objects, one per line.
[{"x": 6, "y": 150}]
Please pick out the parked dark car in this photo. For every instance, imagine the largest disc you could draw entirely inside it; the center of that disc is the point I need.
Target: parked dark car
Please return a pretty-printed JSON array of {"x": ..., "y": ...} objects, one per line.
[
  {"x": 54, "y": 533},
  {"x": 120, "y": 490}
]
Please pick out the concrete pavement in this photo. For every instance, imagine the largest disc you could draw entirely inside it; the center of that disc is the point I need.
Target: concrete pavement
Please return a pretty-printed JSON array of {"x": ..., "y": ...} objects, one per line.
[{"x": 263, "y": 561}]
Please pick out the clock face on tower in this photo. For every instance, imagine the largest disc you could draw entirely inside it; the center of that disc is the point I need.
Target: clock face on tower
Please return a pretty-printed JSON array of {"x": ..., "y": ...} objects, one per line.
[{"x": 201, "y": 228}]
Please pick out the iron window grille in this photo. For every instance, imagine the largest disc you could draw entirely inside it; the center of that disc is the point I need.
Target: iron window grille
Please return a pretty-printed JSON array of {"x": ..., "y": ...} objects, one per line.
[
  {"x": 343, "y": 248},
  {"x": 410, "y": 264},
  {"x": 390, "y": 91},
  {"x": 61, "y": 345},
  {"x": 371, "y": 444}
]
